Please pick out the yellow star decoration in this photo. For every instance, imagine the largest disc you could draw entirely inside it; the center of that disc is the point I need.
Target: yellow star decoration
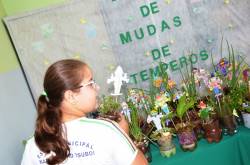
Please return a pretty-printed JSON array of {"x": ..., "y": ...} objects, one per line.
[
  {"x": 46, "y": 62},
  {"x": 230, "y": 26},
  {"x": 77, "y": 56},
  {"x": 226, "y": 2},
  {"x": 171, "y": 41},
  {"x": 111, "y": 67},
  {"x": 168, "y": 1},
  {"x": 147, "y": 53},
  {"x": 83, "y": 21}
]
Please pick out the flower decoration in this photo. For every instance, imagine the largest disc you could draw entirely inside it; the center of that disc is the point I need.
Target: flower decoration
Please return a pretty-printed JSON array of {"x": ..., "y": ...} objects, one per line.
[
  {"x": 133, "y": 96},
  {"x": 204, "y": 111},
  {"x": 161, "y": 102},
  {"x": 126, "y": 111},
  {"x": 202, "y": 105},
  {"x": 139, "y": 99},
  {"x": 214, "y": 85},
  {"x": 177, "y": 96},
  {"x": 246, "y": 74},
  {"x": 200, "y": 75},
  {"x": 204, "y": 75},
  {"x": 171, "y": 84},
  {"x": 157, "y": 82},
  {"x": 223, "y": 66},
  {"x": 196, "y": 76}
]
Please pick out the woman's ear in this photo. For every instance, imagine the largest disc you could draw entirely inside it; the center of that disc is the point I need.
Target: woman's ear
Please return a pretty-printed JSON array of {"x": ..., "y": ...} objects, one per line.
[{"x": 70, "y": 97}]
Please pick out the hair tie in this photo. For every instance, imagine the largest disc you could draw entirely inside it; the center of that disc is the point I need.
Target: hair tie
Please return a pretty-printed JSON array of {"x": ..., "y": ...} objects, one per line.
[
  {"x": 52, "y": 153},
  {"x": 44, "y": 93}
]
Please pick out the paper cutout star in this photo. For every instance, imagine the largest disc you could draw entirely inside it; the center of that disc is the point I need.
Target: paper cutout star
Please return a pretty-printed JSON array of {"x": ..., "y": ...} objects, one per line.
[
  {"x": 111, "y": 67},
  {"x": 38, "y": 46},
  {"x": 130, "y": 18},
  {"x": 77, "y": 56},
  {"x": 210, "y": 41},
  {"x": 104, "y": 47},
  {"x": 46, "y": 62},
  {"x": 147, "y": 53},
  {"x": 47, "y": 30},
  {"x": 226, "y": 2},
  {"x": 171, "y": 41},
  {"x": 230, "y": 26},
  {"x": 90, "y": 31},
  {"x": 83, "y": 21},
  {"x": 168, "y": 1},
  {"x": 196, "y": 10}
]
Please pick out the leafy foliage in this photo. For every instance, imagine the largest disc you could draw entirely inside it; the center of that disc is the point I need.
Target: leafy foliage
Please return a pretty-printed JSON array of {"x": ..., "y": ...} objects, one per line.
[
  {"x": 109, "y": 104},
  {"x": 134, "y": 125},
  {"x": 183, "y": 105}
]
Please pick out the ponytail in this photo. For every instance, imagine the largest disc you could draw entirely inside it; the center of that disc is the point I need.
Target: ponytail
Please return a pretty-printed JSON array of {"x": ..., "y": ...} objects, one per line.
[
  {"x": 50, "y": 136},
  {"x": 49, "y": 132}
]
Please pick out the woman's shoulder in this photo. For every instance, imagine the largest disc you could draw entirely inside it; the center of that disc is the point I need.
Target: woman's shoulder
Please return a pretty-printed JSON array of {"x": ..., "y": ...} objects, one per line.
[
  {"x": 30, "y": 145},
  {"x": 31, "y": 153},
  {"x": 29, "y": 141},
  {"x": 99, "y": 123}
]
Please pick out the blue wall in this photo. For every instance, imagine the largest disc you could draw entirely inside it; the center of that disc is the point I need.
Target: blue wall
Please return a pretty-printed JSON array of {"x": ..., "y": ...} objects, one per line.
[{"x": 17, "y": 110}]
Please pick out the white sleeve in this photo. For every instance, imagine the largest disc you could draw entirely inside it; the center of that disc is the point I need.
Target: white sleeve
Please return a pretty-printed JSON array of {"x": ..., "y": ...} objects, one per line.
[
  {"x": 123, "y": 149},
  {"x": 26, "y": 160},
  {"x": 28, "y": 155}
]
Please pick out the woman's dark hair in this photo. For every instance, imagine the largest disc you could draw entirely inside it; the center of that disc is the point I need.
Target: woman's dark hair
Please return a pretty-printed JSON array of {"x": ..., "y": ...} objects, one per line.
[{"x": 49, "y": 132}]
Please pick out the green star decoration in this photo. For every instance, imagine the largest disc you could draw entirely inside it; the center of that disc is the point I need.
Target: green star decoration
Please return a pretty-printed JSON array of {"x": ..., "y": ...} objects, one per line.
[{"x": 130, "y": 18}]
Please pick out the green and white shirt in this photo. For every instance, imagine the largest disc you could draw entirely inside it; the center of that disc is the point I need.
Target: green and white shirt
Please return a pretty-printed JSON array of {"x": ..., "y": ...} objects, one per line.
[{"x": 92, "y": 142}]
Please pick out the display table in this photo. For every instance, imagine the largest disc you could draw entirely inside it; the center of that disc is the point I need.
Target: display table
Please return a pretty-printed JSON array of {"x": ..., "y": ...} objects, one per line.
[{"x": 231, "y": 150}]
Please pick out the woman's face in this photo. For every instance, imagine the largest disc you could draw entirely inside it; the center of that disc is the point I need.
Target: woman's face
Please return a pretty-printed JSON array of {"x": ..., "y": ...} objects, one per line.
[{"x": 87, "y": 96}]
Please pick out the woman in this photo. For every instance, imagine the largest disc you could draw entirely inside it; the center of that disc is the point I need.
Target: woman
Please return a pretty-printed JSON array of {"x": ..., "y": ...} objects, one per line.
[{"x": 63, "y": 134}]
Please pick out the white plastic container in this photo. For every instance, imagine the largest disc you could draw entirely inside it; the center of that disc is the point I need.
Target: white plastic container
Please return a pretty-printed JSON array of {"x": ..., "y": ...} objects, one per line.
[{"x": 246, "y": 118}]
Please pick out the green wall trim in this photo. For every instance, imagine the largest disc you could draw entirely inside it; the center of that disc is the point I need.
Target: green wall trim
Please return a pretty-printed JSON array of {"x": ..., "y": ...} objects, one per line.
[
  {"x": 8, "y": 58},
  {"x": 13, "y": 7}
]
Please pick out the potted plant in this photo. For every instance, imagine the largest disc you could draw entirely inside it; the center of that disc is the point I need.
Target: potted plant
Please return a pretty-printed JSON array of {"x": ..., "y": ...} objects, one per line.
[
  {"x": 184, "y": 128},
  {"x": 222, "y": 105},
  {"x": 192, "y": 83},
  {"x": 110, "y": 108},
  {"x": 162, "y": 134},
  {"x": 136, "y": 133},
  {"x": 164, "y": 139},
  {"x": 228, "y": 70},
  {"x": 210, "y": 123},
  {"x": 161, "y": 94}
]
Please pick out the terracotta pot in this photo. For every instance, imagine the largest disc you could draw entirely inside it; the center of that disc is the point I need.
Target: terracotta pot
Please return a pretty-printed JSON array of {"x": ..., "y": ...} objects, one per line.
[
  {"x": 167, "y": 148},
  {"x": 187, "y": 139},
  {"x": 212, "y": 131},
  {"x": 228, "y": 124}
]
